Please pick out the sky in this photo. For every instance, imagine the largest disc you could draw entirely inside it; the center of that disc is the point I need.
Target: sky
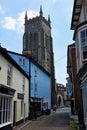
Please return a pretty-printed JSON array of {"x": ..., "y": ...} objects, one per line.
[{"x": 12, "y": 14}]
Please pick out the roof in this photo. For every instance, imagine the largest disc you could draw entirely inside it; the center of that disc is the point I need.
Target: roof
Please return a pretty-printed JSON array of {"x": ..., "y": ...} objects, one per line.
[
  {"x": 76, "y": 13},
  {"x": 32, "y": 60},
  {"x": 3, "y": 51}
]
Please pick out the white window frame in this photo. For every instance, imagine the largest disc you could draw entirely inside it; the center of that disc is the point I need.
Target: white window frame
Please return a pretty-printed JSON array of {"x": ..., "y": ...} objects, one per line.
[
  {"x": 9, "y": 74},
  {"x": 6, "y": 110},
  {"x": 85, "y": 43}
]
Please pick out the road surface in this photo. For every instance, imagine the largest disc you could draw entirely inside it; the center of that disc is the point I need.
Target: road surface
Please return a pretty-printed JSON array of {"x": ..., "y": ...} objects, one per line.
[{"x": 58, "y": 120}]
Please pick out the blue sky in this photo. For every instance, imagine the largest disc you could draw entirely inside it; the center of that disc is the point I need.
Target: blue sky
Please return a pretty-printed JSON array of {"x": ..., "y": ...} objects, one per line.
[{"x": 12, "y": 27}]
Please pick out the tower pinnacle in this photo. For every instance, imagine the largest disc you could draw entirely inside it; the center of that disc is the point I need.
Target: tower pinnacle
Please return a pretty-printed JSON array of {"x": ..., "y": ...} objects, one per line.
[
  {"x": 49, "y": 18},
  {"x": 26, "y": 15},
  {"x": 41, "y": 12}
]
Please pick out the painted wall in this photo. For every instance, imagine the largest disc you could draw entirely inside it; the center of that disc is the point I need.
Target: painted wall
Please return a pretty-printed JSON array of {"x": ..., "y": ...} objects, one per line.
[
  {"x": 41, "y": 81},
  {"x": 17, "y": 81},
  {"x": 3, "y": 71}
]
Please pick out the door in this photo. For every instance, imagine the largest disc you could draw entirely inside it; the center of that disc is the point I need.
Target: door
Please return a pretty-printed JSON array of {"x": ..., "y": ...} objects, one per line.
[
  {"x": 24, "y": 111},
  {"x": 14, "y": 114}
]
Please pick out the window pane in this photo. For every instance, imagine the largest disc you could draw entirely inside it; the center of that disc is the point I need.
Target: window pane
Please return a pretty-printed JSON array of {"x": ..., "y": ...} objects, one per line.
[
  {"x": 86, "y": 32},
  {"x": 0, "y": 103},
  {"x": 82, "y": 34},
  {"x": 83, "y": 42},
  {"x": 8, "y": 109},
  {"x": 8, "y": 116},
  {"x": 8, "y": 80},
  {"x": 5, "y": 112},
  {"x": 84, "y": 48},
  {"x": 9, "y": 74}
]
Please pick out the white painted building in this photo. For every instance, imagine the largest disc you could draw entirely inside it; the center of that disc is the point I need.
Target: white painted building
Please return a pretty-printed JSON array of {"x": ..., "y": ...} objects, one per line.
[
  {"x": 14, "y": 95},
  {"x": 79, "y": 25}
]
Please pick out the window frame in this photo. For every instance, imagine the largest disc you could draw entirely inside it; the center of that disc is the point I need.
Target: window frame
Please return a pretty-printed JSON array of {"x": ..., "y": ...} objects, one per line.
[
  {"x": 21, "y": 61},
  {"x": 9, "y": 74},
  {"x": 84, "y": 37},
  {"x": 23, "y": 85},
  {"x": 5, "y": 110},
  {"x": 83, "y": 45}
]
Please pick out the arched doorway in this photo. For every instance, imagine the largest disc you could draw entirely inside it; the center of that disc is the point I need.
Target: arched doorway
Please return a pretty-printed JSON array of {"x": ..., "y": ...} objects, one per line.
[{"x": 59, "y": 100}]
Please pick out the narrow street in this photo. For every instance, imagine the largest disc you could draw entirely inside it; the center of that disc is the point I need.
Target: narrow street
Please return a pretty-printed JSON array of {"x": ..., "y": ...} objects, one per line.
[{"x": 58, "y": 120}]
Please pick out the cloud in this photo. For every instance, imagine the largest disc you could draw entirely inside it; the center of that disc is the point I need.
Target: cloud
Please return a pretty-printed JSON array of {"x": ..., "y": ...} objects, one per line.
[
  {"x": 20, "y": 19},
  {"x": 9, "y": 23},
  {"x": 17, "y": 24}
]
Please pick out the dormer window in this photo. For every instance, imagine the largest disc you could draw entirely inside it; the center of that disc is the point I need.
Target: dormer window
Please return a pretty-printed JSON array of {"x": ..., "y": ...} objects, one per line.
[{"x": 21, "y": 61}]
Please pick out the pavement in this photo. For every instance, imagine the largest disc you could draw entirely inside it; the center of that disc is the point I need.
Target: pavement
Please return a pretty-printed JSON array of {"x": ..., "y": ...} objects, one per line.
[{"x": 27, "y": 123}]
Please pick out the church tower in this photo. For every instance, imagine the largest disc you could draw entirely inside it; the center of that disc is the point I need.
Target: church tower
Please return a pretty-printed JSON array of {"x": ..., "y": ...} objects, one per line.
[{"x": 37, "y": 42}]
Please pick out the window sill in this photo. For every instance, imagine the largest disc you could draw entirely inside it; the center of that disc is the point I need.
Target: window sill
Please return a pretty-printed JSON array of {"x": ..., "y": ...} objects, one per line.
[{"x": 5, "y": 124}]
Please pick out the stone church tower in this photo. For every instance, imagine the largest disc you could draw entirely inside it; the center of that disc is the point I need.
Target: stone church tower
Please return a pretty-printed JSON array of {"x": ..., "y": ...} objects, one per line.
[{"x": 37, "y": 42}]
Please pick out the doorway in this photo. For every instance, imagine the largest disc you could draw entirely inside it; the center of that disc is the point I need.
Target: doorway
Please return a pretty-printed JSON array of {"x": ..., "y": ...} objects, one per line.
[{"x": 14, "y": 113}]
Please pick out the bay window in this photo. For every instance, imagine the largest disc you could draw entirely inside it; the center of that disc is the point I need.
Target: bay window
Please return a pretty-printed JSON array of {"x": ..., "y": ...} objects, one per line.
[{"x": 83, "y": 39}]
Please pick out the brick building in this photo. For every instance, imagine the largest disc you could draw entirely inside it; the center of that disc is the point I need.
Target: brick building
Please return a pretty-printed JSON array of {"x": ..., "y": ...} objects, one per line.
[
  {"x": 61, "y": 94},
  {"x": 71, "y": 70}
]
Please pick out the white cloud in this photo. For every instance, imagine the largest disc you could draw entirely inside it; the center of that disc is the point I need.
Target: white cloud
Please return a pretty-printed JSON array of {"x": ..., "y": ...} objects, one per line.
[
  {"x": 17, "y": 24},
  {"x": 9, "y": 23},
  {"x": 20, "y": 19}
]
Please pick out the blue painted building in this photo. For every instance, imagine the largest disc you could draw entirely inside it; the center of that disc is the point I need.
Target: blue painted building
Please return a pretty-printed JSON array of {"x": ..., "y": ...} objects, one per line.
[{"x": 40, "y": 81}]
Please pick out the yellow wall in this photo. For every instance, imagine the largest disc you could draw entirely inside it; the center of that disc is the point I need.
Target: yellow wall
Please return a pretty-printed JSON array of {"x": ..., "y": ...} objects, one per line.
[
  {"x": 3, "y": 71},
  {"x": 17, "y": 79}
]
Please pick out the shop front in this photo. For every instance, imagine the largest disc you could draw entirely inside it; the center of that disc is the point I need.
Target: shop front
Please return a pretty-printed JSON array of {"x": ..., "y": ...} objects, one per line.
[{"x": 6, "y": 107}]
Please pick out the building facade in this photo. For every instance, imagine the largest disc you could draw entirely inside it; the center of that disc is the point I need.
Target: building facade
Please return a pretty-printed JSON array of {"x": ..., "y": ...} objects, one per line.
[
  {"x": 79, "y": 25},
  {"x": 37, "y": 42},
  {"x": 61, "y": 95},
  {"x": 40, "y": 82},
  {"x": 71, "y": 70},
  {"x": 14, "y": 83}
]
